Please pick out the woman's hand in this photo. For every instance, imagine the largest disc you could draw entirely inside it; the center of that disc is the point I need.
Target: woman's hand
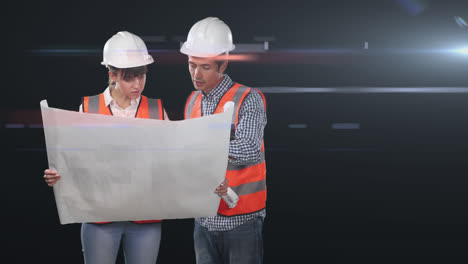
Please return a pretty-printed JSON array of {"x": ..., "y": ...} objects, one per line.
[{"x": 51, "y": 177}]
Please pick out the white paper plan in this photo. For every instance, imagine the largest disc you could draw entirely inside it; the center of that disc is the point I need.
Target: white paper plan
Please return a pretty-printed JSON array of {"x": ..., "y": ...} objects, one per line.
[{"x": 117, "y": 169}]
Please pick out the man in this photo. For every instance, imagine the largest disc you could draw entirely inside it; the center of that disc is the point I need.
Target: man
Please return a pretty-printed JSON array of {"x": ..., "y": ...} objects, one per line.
[{"x": 234, "y": 235}]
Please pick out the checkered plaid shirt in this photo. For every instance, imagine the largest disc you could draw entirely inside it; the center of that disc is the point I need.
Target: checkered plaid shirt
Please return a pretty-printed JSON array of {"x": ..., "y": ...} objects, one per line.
[{"x": 245, "y": 148}]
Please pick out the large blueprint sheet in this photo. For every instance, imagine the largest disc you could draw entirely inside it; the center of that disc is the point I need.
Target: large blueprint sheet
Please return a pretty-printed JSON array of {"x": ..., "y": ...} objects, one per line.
[{"x": 116, "y": 169}]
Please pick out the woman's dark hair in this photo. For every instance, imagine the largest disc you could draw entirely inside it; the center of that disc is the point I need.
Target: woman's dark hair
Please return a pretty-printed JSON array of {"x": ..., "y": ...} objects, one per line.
[{"x": 127, "y": 73}]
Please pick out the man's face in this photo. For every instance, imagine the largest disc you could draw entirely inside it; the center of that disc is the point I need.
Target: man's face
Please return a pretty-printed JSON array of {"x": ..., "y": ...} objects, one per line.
[{"x": 205, "y": 73}]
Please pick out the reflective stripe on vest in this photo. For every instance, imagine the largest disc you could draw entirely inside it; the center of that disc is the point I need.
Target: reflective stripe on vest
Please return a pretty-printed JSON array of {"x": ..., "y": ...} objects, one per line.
[
  {"x": 148, "y": 108},
  {"x": 191, "y": 103},
  {"x": 247, "y": 180}
]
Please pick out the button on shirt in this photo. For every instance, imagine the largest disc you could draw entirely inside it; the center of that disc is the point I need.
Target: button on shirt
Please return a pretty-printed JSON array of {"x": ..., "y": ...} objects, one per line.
[{"x": 244, "y": 149}]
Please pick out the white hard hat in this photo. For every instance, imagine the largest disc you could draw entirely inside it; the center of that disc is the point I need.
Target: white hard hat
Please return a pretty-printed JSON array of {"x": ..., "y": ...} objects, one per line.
[
  {"x": 209, "y": 37},
  {"x": 126, "y": 50}
]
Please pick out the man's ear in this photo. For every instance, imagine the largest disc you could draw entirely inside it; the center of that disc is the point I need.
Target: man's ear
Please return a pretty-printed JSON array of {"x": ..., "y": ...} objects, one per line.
[{"x": 223, "y": 66}]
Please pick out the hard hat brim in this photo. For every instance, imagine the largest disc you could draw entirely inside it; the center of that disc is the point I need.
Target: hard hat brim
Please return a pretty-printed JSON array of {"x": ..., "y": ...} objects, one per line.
[
  {"x": 203, "y": 54},
  {"x": 129, "y": 65}
]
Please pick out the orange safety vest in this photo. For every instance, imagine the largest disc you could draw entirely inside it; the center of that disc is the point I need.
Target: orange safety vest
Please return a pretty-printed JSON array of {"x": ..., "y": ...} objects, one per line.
[
  {"x": 248, "y": 181},
  {"x": 148, "y": 108}
]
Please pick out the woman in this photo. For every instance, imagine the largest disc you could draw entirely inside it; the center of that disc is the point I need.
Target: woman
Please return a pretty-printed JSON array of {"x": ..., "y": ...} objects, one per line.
[{"x": 126, "y": 57}]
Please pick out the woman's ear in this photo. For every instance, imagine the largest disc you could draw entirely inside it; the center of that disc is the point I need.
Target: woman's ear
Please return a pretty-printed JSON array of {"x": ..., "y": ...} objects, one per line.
[{"x": 112, "y": 76}]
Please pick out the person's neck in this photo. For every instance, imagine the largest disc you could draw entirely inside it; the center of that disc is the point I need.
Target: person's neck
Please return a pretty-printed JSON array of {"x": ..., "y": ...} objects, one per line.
[
  {"x": 122, "y": 100},
  {"x": 219, "y": 81}
]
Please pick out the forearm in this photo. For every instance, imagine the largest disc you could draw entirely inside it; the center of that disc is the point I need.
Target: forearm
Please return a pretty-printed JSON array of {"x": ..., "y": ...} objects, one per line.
[{"x": 244, "y": 151}]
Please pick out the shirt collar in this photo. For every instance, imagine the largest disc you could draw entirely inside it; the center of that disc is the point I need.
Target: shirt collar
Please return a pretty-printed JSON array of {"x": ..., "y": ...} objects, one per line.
[
  {"x": 108, "y": 99},
  {"x": 220, "y": 89}
]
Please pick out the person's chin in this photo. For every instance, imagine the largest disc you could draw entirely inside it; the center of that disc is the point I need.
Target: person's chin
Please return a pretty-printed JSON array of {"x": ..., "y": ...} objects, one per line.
[
  {"x": 135, "y": 96},
  {"x": 199, "y": 85}
]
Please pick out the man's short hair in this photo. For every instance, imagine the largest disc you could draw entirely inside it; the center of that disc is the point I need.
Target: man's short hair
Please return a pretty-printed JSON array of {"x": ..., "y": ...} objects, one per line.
[{"x": 220, "y": 62}]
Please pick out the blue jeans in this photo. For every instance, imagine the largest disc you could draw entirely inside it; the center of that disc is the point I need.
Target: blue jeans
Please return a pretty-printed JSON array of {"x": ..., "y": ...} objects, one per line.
[
  {"x": 140, "y": 242},
  {"x": 241, "y": 245}
]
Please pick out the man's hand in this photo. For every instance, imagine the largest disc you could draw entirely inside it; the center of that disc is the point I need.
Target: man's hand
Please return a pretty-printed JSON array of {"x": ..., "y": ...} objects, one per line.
[{"x": 222, "y": 188}]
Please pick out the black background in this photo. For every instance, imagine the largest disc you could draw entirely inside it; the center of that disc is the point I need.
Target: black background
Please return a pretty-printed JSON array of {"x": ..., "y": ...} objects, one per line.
[{"x": 393, "y": 191}]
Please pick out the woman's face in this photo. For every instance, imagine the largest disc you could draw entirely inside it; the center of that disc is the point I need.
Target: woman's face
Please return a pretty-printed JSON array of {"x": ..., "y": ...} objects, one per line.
[{"x": 130, "y": 86}]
